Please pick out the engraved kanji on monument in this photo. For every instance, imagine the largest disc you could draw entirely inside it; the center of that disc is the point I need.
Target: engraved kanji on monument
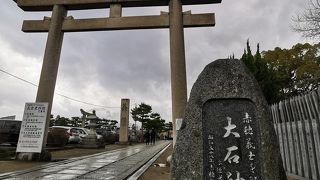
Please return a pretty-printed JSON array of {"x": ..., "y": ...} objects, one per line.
[
  {"x": 230, "y": 147},
  {"x": 227, "y": 132}
]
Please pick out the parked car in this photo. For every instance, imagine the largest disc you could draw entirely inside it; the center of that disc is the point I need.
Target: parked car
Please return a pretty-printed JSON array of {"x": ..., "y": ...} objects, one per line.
[
  {"x": 9, "y": 131},
  {"x": 72, "y": 133}
]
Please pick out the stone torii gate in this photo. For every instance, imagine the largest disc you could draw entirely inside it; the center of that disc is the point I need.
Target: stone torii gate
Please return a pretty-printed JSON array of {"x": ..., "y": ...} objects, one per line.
[{"x": 59, "y": 23}]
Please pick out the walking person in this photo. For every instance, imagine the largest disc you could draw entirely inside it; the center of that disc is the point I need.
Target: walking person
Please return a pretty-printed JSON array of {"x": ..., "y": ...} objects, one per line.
[
  {"x": 153, "y": 136},
  {"x": 147, "y": 137}
]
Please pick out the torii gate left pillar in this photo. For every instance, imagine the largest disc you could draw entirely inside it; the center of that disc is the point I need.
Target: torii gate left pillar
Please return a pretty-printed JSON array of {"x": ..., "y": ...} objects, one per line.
[
  {"x": 51, "y": 60},
  {"x": 176, "y": 20}
]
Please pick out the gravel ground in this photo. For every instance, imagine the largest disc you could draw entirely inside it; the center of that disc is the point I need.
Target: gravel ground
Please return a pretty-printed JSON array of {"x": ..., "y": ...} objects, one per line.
[{"x": 156, "y": 172}]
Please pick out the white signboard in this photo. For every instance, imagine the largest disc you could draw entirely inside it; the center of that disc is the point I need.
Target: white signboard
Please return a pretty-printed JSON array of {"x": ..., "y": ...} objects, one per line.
[
  {"x": 32, "y": 127},
  {"x": 178, "y": 123}
]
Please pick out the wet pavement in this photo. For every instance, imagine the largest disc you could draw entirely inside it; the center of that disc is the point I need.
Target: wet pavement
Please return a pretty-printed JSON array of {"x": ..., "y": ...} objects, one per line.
[{"x": 116, "y": 164}]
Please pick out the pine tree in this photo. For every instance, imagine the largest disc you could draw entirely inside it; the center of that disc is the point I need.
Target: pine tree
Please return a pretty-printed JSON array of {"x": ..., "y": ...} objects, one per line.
[
  {"x": 264, "y": 75},
  {"x": 259, "y": 65},
  {"x": 141, "y": 113},
  {"x": 250, "y": 59}
]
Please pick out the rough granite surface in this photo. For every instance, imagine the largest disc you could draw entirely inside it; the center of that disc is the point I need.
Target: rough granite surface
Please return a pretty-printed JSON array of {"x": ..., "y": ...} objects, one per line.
[{"x": 223, "y": 79}]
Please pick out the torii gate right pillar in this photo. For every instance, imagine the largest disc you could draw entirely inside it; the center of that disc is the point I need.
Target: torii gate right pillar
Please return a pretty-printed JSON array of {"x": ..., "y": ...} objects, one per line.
[{"x": 178, "y": 64}]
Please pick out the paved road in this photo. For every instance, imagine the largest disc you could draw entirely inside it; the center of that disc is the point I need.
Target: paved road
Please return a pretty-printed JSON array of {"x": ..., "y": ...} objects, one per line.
[{"x": 117, "y": 164}]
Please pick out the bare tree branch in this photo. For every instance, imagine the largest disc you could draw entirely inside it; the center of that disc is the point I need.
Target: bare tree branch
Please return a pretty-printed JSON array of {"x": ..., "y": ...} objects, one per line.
[{"x": 308, "y": 23}]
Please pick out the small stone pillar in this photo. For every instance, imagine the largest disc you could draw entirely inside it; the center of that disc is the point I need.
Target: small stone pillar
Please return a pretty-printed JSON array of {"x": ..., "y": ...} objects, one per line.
[{"x": 124, "y": 121}]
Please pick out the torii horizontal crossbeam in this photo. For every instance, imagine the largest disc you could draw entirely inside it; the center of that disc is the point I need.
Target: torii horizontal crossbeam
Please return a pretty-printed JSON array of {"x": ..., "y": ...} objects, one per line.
[
  {"x": 47, "y": 5},
  {"x": 121, "y": 23}
]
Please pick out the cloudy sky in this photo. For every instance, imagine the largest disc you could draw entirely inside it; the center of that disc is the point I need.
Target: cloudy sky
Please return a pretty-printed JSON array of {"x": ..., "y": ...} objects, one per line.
[{"x": 103, "y": 67}]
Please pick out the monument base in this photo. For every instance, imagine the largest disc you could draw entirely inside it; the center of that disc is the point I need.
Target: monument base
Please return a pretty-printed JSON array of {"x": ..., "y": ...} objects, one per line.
[
  {"x": 29, "y": 156},
  {"x": 91, "y": 141}
]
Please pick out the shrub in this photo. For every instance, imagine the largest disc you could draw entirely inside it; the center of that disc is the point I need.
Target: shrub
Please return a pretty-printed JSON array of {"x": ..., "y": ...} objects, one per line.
[{"x": 57, "y": 137}]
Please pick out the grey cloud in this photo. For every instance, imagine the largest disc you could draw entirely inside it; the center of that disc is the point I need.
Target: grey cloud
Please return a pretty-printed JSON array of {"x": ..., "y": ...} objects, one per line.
[{"x": 102, "y": 67}]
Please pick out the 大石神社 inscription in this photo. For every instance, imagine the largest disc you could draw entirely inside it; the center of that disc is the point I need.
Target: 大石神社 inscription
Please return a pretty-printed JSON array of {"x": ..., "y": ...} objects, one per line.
[
  {"x": 227, "y": 132},
  {"x": 230, "y": 147}
]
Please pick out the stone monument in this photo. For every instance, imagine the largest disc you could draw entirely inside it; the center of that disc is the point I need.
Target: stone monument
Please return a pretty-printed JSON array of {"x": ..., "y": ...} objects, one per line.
[
  {"x": 227, "y": 132},
  {"x": 91, "y": 140},
  {"x": 124, "y": 121}
]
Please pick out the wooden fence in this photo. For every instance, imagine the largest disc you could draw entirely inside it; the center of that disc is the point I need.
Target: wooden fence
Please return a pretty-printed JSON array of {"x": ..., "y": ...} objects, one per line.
[{"x": 296, "y": 122}]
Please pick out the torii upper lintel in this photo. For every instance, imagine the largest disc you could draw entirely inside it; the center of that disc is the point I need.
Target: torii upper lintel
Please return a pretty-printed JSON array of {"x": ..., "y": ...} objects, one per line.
[{"x": 47, "y": 5}]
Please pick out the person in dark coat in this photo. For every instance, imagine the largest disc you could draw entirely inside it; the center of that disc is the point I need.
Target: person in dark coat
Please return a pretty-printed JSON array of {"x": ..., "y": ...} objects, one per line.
[
  {"x": 153, "y": 136},
  {"x": 147, "y": 137}
]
